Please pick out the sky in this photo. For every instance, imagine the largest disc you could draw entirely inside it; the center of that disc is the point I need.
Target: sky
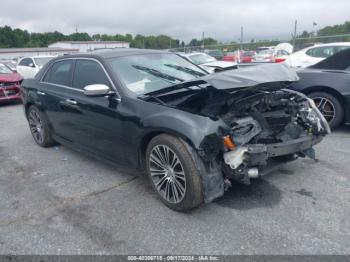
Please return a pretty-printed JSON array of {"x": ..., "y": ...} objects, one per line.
[{"x": 181, "y": 19}]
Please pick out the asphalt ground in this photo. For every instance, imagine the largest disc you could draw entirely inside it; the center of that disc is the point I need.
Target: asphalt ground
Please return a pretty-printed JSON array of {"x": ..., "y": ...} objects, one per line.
[{"x": 58, "y": 201}]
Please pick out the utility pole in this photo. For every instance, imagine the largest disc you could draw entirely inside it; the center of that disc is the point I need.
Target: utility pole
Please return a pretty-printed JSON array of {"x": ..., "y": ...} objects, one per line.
[
  {"x": 170, "y": 43},
  {"x": 203, "y": 41},
  {"x": 242, "y": 37},
  {"x": 76, "y": 29},
  {"x": 295, "y": 32}
]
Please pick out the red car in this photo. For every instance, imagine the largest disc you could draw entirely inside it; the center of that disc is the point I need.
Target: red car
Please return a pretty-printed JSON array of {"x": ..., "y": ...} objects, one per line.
[
  {"x": 245, "y": 56},
  {"x": 9, "y": 84}
]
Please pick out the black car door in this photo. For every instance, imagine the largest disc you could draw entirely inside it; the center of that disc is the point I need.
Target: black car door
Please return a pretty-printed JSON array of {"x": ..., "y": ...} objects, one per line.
[
  {"x": 55, "y": 92},
  {"x": 96, "y": 123}
]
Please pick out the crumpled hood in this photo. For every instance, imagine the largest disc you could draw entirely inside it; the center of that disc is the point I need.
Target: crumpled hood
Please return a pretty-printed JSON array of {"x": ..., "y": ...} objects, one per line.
[
  {"x": 10, "y": 77},
  {"x": 251, "y": 76}
]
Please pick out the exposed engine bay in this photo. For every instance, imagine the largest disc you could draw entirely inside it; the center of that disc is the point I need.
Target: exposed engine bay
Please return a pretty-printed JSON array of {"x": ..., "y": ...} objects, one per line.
[
  {"x": 266, "y": 125},
  {"x": 253, "y": 123}
]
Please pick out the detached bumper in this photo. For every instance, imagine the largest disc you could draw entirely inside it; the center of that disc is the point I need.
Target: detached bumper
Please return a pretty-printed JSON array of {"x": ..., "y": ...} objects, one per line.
[{"x": 253, "y": 160}]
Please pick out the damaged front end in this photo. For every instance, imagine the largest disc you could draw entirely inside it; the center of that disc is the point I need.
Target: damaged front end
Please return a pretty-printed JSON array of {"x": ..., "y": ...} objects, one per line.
[
  {"x": 277, "y": 127},
  {"x": 253, "y": 124}
]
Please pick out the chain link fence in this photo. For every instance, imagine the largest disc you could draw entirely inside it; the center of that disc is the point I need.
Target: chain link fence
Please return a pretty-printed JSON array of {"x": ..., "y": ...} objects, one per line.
[{"x": 298, "y": 43}]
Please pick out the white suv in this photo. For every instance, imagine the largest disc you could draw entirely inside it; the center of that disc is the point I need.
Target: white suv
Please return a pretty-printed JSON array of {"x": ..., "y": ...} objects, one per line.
[
  {"x": 314, "y": 54},
  {"x": 29, "y": 66}
]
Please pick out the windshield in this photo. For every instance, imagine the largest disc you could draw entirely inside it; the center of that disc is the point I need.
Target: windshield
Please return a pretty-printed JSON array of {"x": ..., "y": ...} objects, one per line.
[
  {"x": 200, "y": 59},
  {"x": 41, "y": 61},
  {"x": 143, "y": 74},
  {"x": 4, "y": 69}
]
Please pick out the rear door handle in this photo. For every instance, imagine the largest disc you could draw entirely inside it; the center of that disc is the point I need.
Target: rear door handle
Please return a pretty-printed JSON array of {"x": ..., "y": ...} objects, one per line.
[
  {"x": 71, "y": 101},
  {"x": 40, "y": 93}
]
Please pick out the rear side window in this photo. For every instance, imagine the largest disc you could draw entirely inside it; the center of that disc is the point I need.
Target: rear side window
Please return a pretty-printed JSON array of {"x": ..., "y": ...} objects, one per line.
[
  {"x": 89, "y": 72},
  {"x": 60, "y": 73}
]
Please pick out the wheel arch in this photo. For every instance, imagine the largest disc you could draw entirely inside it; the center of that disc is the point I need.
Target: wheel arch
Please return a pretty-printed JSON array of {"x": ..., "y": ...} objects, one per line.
[
  {"x": 146, "y": 139},
  {"x": 329, "y": 90},
  {"x": 26, "y": 107},
  {"x": 343, "y": 102}
]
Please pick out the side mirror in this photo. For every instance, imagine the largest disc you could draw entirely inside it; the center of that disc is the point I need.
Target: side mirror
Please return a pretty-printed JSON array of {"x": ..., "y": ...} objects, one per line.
[
  {"x": 96, "y": 90},
  {"x": 31, "y": 65}
]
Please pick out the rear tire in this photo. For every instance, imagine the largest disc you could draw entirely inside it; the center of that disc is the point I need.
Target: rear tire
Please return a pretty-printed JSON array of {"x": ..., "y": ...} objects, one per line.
[
  {"x": 39, "y": 127},
  {"x": 330, "y": 107},
  {"x": 173, "y": 173}
]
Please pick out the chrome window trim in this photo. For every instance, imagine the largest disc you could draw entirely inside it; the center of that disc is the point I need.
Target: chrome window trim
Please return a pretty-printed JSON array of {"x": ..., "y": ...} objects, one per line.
[{"x": 77, "y": 89}]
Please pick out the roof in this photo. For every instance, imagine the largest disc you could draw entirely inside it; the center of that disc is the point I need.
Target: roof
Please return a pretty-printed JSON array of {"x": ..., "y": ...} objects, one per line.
[
  {"x": 35, "y": 49},
  {"x": 90, "y": 42},
  {"x": 119, "y": 52}
]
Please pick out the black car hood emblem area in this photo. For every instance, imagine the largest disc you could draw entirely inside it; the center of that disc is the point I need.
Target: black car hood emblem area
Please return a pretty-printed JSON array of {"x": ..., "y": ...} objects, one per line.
[{"x": 251, "y": 76}]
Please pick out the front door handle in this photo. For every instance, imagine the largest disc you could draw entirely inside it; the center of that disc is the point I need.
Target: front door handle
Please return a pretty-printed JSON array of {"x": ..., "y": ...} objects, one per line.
[
  {"x": 71, "y": 101},
  {"x": 40, "y": 93}
]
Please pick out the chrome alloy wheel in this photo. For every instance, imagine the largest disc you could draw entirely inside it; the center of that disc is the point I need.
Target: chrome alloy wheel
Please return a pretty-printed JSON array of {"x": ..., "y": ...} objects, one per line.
[
  {"x": 36, "y": 127},
  {"x": 326, "y": 107},
  {"x": 167, "y": 174}
]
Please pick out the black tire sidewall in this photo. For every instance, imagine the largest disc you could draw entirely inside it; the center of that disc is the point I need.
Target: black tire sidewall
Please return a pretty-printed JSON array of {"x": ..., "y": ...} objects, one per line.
[
  {"x": 193, "y": 188},
  {"x": 339, "y": 110},
  {"x": 47, "y": 141}
]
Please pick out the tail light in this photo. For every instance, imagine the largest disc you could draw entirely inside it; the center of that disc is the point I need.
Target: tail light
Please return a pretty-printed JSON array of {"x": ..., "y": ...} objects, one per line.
[{"x": 279, "y": 59}]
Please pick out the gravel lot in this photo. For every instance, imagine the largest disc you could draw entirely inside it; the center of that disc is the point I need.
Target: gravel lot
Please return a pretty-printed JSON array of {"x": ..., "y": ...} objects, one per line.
[{"x": 58, "y": 201}]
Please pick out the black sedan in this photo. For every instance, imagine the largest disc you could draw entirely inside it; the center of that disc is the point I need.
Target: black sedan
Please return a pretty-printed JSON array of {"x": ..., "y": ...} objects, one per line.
[
  {"x": 190, "y": 131},
  {"x": 328, "y": 84}
]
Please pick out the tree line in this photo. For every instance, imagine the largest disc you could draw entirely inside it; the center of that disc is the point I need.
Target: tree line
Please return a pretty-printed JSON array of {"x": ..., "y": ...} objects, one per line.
[{"x": 12, "y": 38}]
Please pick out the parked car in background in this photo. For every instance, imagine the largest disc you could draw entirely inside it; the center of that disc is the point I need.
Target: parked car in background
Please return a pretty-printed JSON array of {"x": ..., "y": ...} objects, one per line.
[
  {"x": 10, "y": 64},
  {"x": 328, "y": 84},
  {"x": 218, "y": 54},
  {"x": 273, "y": 54},
  {"x": 189, "y": 130},
  {"x": 314, "y": 54},
  {"x": 261, "y": 48},
  {"x": 280, "y": 56},
  {"x": 264, "y": 56},
  {"x": 239, "y": 57},
  {"x": 208, "y": 63},
  {"x": 9, "y": 84},
  {"x": 230, "y": 57},
  {"x": 28, "y": 67}
]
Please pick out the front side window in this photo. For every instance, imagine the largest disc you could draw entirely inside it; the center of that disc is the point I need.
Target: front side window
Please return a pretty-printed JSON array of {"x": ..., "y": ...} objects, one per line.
[
  {"x": 146, "y": 73},
  {"x": 26, "y": 62},
  {"x": 88, "y": 72},
  {"x": 60, "y": 73}
]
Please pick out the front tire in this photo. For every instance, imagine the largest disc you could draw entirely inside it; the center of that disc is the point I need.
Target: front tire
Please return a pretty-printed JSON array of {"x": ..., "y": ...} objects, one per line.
[
  {"x": 173, "y": 173},
  {"x": 330, "y": 107},
  {"x": 39, "y": 127}
]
